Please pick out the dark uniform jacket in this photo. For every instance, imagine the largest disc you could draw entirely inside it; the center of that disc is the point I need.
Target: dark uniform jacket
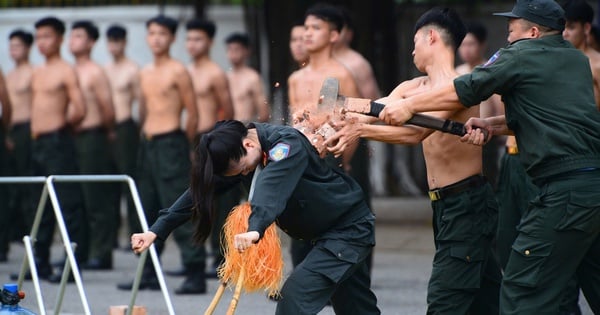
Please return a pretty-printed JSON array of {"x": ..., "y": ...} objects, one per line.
[
  {"x": 546, "y": 85},
  {"x": 297, "y": 189}
]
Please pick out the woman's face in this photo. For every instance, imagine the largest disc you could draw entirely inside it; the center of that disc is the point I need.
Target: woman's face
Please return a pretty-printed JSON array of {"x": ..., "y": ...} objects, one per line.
[{"x": 248, "y": 162}]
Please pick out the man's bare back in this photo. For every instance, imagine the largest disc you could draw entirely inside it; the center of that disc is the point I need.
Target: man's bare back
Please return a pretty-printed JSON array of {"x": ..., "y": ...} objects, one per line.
[
  {"x": 249, "y": 102},
  {"x": 161, "y": 84},
  {"x": 19, "y": 88},
  {"x": 97, "y": 94},
  {"x": 124, "y": 81},
  {"x": 594, "y": 58},
  {"x": 212, "y": 93},
  {"x": 54, "y": 85},
  {"x": 361, "y": 71}
]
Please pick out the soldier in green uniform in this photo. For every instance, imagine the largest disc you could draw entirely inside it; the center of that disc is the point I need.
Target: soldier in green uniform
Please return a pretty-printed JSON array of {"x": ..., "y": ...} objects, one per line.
[
  {"x": 546, "y": 86},
  {"x": 305, "y": 196}
]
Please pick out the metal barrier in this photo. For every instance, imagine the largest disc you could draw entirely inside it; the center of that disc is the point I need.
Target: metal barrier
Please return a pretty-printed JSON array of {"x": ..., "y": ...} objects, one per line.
[{"x": 49, "y": 191}]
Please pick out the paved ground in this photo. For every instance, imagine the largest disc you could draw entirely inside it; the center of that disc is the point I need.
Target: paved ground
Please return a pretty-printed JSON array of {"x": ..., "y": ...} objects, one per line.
[{"x": 402, "y": 265}]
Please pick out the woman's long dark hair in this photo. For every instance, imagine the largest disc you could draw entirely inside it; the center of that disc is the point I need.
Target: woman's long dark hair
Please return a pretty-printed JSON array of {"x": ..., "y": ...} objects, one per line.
[{"x": 211, "y": 158}]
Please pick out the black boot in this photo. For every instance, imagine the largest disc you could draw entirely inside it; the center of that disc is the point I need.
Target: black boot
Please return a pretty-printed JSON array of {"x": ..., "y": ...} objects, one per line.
[
  {"x": 195, "y": 281},
  {"x": 43, "y": 267}
]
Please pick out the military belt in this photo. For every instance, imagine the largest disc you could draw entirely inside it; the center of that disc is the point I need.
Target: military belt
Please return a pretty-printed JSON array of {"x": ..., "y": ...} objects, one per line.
[{"x": 456, "y": 188}]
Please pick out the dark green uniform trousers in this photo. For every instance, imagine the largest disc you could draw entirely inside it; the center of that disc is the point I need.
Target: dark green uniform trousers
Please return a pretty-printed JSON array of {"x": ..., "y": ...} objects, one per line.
[
  {"x": 99, "y": 198},
  {"x": 465, "y": 278},
  {"x": 125, "y": 150},
  {"x": 335, "y": 269},
  {"x": 515, "y": 191},
  {"x": 558, "y": 238},
  {"x": 54, "y": 154},
  {"x": 5, "y": 209},
  {"x": 19, "y": 164},
  {"x": 163, "y": 173}
]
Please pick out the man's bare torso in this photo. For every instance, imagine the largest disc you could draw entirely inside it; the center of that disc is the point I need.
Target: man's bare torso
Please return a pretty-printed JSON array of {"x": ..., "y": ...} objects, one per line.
[
  {"x": 123, "y": 78},
  {"x": 50, "y": 97},
  {"x": 242, "y": 85},
  {"x": 447, "y": 159},
  {"x": 207, "y": 102},
  {"x": 88, "y": 73},
  {"x": 594, "y": 58},
  {"x": 305, "y": 85},
  {"x": 163, "y": 104},
  {"x": 19, "y": 88}
]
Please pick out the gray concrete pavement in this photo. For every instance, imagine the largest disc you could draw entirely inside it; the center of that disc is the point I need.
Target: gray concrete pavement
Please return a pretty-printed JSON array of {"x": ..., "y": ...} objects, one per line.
[{"x": 402, "y": 265}]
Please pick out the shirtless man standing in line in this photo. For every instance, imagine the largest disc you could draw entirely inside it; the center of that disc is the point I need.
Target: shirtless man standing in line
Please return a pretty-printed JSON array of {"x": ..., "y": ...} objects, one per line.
[
  {"x": 18, "y": 84},
  {"x": 322, "y": 26},
  {"x": 465, "y": 277},
  {"x": 580, "y": 16},
  {"x": 123, "y": 74},
  {"x": 210, "y": 82},
  {"x": 57, "y": 107},
  {"x": 214, "y": 103},
  {"x": 245, "y": 83},
  {"x": 5, "y": 211},
  {"x": 163, "y": 166},
  {"x": 299, "y": 53},
  {"x": 91, "y": 140}
]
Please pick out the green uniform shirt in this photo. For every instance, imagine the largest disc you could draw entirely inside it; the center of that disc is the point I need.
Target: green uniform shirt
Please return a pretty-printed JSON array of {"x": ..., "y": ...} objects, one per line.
[
  {"x": 298, "y": 190},
  {"x": 546, "y": 86}
]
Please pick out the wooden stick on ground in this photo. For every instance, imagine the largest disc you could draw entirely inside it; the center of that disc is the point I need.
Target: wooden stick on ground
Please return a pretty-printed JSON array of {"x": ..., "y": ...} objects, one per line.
[{"x": 213, "y": 304}]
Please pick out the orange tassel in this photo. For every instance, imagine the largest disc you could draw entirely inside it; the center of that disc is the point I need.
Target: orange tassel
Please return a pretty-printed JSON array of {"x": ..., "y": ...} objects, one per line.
[{"x": 262, "y": 263}]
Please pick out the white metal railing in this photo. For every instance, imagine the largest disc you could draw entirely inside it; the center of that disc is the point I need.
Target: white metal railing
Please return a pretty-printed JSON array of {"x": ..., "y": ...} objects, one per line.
[{"x": 70, "y": 263}]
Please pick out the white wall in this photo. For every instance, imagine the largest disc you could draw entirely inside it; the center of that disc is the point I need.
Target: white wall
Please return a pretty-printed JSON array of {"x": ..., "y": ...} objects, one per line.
[{"x": 227, "y": 18}]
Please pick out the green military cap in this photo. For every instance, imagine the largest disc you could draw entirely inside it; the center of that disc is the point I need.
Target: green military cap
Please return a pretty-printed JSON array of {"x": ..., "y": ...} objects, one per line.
[{"x": 543, "y": 12}]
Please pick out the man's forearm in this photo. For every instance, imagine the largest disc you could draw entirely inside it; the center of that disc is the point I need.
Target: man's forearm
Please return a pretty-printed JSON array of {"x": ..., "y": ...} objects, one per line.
[
  {"x": 498, "y": 124},
  {"x": 439, "y": 99},
  {"x": 391, "y": 134}
]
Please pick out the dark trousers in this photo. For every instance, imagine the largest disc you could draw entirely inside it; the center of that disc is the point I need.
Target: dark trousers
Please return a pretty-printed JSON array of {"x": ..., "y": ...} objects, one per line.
[
  {"x": 5, "y": 210},
  {"x": 18, "y": 163},
  {"x": 163, "y": 173},
  {"x": 465, "y": 278},
  {"x": 54, "y": 154},
  {"x": 335, "y": 269},
  {"x": 515, "y": 191},
  {"x": 558, "y": 238},
  {"x": 99, "y": 198},
  {"x": 125, "y": 150}
]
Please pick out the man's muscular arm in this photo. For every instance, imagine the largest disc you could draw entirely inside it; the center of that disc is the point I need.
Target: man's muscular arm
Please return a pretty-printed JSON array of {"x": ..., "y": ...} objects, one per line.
[
  {"x": 6, "y": 105},
  {"x": 77, "y": 103},
  {"x": 103, "y": 94},
  {"x": 398, "y": 111},
  {"x": 260, "y": 101},
  {"x": 186, "y": 92},
  {"x": 221, "y": 89}
]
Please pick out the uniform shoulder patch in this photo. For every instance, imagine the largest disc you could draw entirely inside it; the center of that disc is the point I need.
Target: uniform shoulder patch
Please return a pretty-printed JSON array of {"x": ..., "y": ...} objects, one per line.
[
  {"x": 492, "y": 59},
  {"x": 279, "y": 152}
]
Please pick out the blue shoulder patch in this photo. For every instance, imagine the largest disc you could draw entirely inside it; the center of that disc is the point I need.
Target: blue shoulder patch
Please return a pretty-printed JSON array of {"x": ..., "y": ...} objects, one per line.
[
  {"x": 492, "y": 59},
  {"x": 279, "y": 152}
]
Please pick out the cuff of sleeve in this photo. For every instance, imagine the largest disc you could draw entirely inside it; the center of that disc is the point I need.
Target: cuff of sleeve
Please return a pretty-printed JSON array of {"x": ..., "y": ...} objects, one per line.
[
  {"x": 464, "y": 91},
  {"x": 160, "y": 232},
  {"x": 253, "y": 227}
]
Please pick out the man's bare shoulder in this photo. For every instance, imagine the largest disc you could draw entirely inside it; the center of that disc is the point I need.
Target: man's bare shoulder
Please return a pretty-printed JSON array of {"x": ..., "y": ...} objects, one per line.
[
  {"x": 594, "y": 58},
  {"x": 463, "y": 69},
  {"x": 408, "y": 86},
  {"x": 356, "y": 62}
]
